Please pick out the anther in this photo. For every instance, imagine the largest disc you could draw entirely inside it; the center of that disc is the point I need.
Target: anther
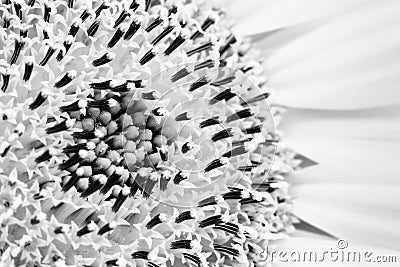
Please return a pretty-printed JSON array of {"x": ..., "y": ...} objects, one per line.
[
  {"x": 73, "y": 30},
  {"x": 204, "y": 80},
  {"x": 124, "y": 14},
  {"x": 6, "y": 80},
  {"x": 140, "y": 255},
  {"x": 193, "y": 258},
  {"x": 184, "y": 116},
  {"x": 179, "y": 40},
  {"x": 48, "y": 55},
  {"x": 148, "y": 56},
  {"x": 212, "y": 200},
  {"x": 75, "y": 106},
  {"x": 18, "y": 10},
  {"x": 18, "y": 46},
  {"x": 46, "y": 14},
  {"x": 156, "y": 220},
  {"x": 215, "y": 219},
  {"x": 225, "y": 133},
  {"x": 180, "y": 74},
  {"x": 224, "y": 95},
  {"x": 164, "y": 33},
  {"x": 62, "y": 126},
  {"x": 85, "y": 15},
  {"x": 98, "y": 181},
  {"x": 186, "y": 147},
  {"x": 91, "y": 31},
  {"x": 150, "y": 183},
  {"x": 91, "y": 227},
  {"x": 117, "y": 36},
  {"x": 256, "y": 99},
  {"x": 253, "y": 130},
  {"x": 224, "y": 81},
  {"x": 206, "y": 24},
  {"x": 46, "y": 155},
  {"x": 70, "y": 3},
  {"x": 157, "y": 21},
  {"x": 184, "y": 216},
  {"x": 160, "y": 111},
  {"x": 216, "y": 163},
  {"x": 242, "y": 114},
  {"x": 74, "y": 159},
  {"x": 180, "y": 176},
  {"x": 123, "y": 195},
  {"x": 230, "y": 40},
  {"x": 66, "y": 79},
  {"x": 39, "y": 100},
  {"x": 227, "y": 250},
  {"x": 107, "y": 228},
  {"x": 203, "y": 47},
  {"x": 102, "y": 7},
  {"x": 133, "y": 28},
  {"x": 104, "y": 59}
]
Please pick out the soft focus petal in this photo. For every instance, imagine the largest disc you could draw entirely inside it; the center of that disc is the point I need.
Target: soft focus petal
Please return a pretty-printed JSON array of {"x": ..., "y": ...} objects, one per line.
[
  {"x": 271, "y": 15},
  {"x": 351, "y": 61}
]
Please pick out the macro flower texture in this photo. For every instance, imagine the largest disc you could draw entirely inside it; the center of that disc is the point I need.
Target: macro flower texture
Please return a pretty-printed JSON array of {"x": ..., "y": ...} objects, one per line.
[
  {"x": 196, "y": 133},
  {"x": 136, "y": 133}
]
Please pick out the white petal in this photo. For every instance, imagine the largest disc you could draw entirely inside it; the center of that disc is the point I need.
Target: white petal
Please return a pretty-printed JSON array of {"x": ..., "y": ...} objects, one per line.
[
  {"x": 348, "y": 145},
  {"x": 268, "y": 15},
  {"x": 350, "y": 62},
  {"x": 367, "y": 214}
]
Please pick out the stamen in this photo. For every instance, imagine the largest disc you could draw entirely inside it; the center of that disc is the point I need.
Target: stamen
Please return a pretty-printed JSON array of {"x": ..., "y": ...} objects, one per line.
[
  {"x": 193, "y": 258},
  {"x": 28, "y": 70},
  {"x": 156, "y": 220},
  {"x": 247, "y": 168},
  {"x": 112, "y": 180},
  {"x": 137, "y": 184},
  {"x": 157, "y": 21},
  {"x": 180, "y": 74},
  {"x": 75, "y": 27},
  {"x": 75, "y": 106},
  {"x": 123, "y": 195},
  {"x": 107, "y": 228},
  {"x": 104, "y": 59},
  {"x": 179, "y": 40},
  {"x": 6, "y": 23},
  {"x": 85, "y": 15},
  {"x": 160, "y": 111},
  {"x": 137, "y": 83},
  {"x": 101, "y": 104},
  {"x": 199, "y": 83},
  {"x": 256, "y": 99},
  {"x": 224, "y": 81},
  {"x": 150, "y": 183},
  {"x": 212, "y": 221},
  {"x": 216, "y": 163},
  {"x": 224, "y": 95},
  {"x": 18, "y": 46},
  {"x": 119, "y": 88},
  {"x": 6, "y": 80},
  {"x": 140, "y": 255},
  {"x": 164, "y": 180},
  {"x": 153, "y": 95},
  {"x": 66, "y": 79},
  {"x": 88, "y": 135},
  {"x": 227, "y": 250},
  {"x": 70, "y": 3},
  {"x": 39, "y": 100},
  {"x": 105, "y": 85},
  {"x": 209, "y": 63},
  {"x": 164, "y": 33},
  {"x": 47, "y": 155},
  {"x": 163, "y": 153},
  {"x": 147, "y": 5},
  {"x": 91, "y": 31},
  {"x": 48, "y": 55},
  {"x": 148, "y": 56},
  {"x": 203, "y": 47},
  {"x": 62, "y": 126},
  {"x": 45, "y": 35},
  {"x": 230, "y": 40},
  {"x": 186, "y": 147},
  {"x": 98, "y": 182},
  {"x": 124, "y": 14},
  {"x": 31, "y": 3},
  {"x": 184, "y": 216},
  {"x": 4, "y": 148},
  {"x": 210, "y": 122},
  {"x": 133, "y": 28},
  {"x": 117, "y": 36},
  {"x": 180, "y": 176},
  {"x": 18, "y": 10},
  {"x": 23, "y": 33},
  {"x": 74, "y": 159},
  {"x": 253, "y": 130},
  {"x": 241, "y": 142},
  {"x": 225, "y": 133},
  {"x": 71, "y": 182},
  {"x": 152, "y": 264},
  {"x": 206, "y": 24},
  {"x": 230, "y": 228},
  {"x": 101, "y": 8},
  {"x": 184, "y": 116},
  {"x": 87, "y": 229},
  {"x": 181, "y": 244},
  {"x": 134, "y": 5},
  {"x": 242, "y": 114},
  {"x": 67, "y": 45},
  {"x": 212, "y": 200},
  {"x": 46, "y": 14}
]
